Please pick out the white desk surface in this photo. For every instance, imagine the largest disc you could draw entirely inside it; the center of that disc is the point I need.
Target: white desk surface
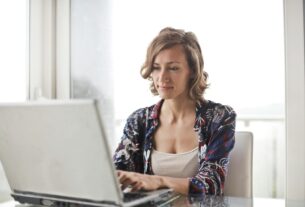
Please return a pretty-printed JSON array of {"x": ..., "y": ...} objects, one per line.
[{"x": 212, "y": 201}]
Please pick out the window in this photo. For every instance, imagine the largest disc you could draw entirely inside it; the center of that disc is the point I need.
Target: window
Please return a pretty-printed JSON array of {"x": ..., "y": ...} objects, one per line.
[
  {"x": 13, "y": 51},
  {"x": 91, "y": 58}
]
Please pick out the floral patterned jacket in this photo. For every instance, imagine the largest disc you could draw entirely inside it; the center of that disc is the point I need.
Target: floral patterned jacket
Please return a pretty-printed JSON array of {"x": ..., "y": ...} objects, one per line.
[{"x": 215, "y": 125}]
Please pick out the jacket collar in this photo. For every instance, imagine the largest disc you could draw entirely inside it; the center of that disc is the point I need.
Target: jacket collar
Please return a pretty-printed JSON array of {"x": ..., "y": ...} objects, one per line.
[{"x": 200, "y": 104}]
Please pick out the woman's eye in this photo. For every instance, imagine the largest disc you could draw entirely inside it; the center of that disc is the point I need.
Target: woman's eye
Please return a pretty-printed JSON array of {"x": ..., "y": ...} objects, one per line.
[
  {"x": 155, "y": 68},
  {"x": 173, "y": 68}
]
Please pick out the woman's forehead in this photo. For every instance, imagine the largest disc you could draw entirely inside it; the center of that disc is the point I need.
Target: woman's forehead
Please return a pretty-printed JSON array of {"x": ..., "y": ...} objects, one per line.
[{"x": 175, "y": 54}]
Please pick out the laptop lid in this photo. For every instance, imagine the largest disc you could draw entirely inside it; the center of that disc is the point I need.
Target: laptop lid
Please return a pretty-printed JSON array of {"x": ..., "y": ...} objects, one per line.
[{"x": 57, "y": 149}]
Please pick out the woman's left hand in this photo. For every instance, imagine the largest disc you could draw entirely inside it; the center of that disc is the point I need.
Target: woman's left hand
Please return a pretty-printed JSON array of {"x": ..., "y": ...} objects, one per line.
[{"x": 138, "y": 181}]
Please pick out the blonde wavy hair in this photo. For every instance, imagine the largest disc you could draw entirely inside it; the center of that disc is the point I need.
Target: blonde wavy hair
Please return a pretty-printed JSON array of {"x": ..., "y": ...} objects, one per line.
[{"x": 168, "y": 38}]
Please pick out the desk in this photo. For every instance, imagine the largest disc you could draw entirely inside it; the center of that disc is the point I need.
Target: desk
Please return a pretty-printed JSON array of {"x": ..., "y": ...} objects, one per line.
[
  {"x": 211, "y": 201},
  {"x": 219, "y": 201}
]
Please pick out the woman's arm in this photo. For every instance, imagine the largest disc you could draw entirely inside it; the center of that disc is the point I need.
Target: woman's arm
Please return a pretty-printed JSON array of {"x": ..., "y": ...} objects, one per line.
[
  {"x": 128, "y": 155},
  {"x": 138, "y": 181},
  {"x": 214, "y": 154}
]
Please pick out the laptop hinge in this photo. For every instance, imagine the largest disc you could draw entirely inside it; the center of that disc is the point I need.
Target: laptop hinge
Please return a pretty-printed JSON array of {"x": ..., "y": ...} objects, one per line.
[{"x": 48, "y": 200}]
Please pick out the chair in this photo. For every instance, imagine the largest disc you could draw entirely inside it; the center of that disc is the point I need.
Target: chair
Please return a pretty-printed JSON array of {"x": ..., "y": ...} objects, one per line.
[{"x": 239, "y": 177}]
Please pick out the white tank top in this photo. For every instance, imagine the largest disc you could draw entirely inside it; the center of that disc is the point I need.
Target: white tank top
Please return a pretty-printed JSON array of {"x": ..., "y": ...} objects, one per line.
[{"x": 180, "y": 165}]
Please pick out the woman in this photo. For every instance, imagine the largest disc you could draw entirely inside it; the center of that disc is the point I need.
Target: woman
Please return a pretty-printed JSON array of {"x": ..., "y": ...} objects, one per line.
[{"x": 183, "y": 141}]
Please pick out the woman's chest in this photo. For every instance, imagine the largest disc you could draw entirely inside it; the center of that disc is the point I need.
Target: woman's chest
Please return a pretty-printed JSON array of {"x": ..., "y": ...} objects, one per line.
[{"x": 175, "y": 138}]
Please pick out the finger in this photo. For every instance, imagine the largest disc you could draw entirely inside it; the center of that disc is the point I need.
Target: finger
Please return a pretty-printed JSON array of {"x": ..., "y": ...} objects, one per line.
[
  {"x": 121, "y": 173},
  {"x": 124, "y": 177},
  {"x": 137, "y": 186},
  {"x": 127, "y": 180},
  {"x": 124, "y": 186},
  {"x": 129, "y": 185},
  {"x": 128, "y": 176}
]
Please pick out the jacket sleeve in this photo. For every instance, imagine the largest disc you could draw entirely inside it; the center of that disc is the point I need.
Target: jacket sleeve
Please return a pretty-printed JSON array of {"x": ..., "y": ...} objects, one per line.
[
  {"x": 210, "y": 178},
  {"x": 128, "y": 154}
]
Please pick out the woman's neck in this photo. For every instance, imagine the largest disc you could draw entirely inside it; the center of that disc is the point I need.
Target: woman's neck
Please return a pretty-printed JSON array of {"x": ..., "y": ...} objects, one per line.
[{"x": 177, "y": 110}]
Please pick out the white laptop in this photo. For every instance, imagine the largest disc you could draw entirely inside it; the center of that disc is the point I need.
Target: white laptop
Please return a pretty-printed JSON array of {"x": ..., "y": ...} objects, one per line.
[{"x": 56, "y": 152}]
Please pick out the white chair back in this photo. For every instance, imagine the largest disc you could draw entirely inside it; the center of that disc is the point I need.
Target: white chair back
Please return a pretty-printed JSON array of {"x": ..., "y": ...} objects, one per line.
[{"x": 239, "y": 177}]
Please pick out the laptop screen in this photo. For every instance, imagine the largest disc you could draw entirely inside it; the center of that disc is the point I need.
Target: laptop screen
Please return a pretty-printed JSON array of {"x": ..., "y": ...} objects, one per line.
[{"x": 57, "y": 148}]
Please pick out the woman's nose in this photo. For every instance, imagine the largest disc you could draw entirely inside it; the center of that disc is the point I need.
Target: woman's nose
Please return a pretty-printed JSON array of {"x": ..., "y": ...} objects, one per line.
[{"x": 163, "y": 76}]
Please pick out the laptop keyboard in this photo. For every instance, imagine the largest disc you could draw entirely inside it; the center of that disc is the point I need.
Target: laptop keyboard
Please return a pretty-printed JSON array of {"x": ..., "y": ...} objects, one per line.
[{"x": 130, "y": 196}]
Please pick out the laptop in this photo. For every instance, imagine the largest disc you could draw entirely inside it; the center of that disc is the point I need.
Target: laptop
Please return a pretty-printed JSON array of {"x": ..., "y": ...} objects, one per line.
[{"x": 55, "y": 152}]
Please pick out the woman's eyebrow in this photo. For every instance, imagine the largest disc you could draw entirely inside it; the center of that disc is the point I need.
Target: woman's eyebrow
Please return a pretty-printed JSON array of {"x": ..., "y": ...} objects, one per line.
[
  {"x": 168, "y": 63},
  {"x": 173, "y": 62}
]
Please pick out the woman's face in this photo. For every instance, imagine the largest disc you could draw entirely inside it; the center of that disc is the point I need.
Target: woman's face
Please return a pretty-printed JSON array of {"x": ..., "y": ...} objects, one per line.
[{"x": 171, "y": 73}]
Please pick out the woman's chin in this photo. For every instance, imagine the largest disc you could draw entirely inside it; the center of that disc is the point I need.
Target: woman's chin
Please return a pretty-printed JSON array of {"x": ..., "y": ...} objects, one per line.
[{"x": 165, "y": 96}]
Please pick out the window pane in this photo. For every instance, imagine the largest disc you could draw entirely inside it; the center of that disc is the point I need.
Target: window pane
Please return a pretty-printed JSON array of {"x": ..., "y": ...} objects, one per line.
[
  {"x": 13, "y": 50},
  {"x": 91, "y": 66}
]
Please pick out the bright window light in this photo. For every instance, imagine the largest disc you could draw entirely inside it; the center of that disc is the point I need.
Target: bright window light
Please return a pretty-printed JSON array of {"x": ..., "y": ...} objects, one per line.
[{"x": 13, "y": 50}]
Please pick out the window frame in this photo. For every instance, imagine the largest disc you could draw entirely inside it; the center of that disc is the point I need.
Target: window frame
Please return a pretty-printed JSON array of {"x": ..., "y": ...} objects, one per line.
[
  {"x": 295, "y": 99},
  {"x": 49, "y": 49}
]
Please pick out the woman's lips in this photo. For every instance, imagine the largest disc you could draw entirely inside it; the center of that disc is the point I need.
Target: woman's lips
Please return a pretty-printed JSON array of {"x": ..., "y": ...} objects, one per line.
[{"x": 165, "y": 87}]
